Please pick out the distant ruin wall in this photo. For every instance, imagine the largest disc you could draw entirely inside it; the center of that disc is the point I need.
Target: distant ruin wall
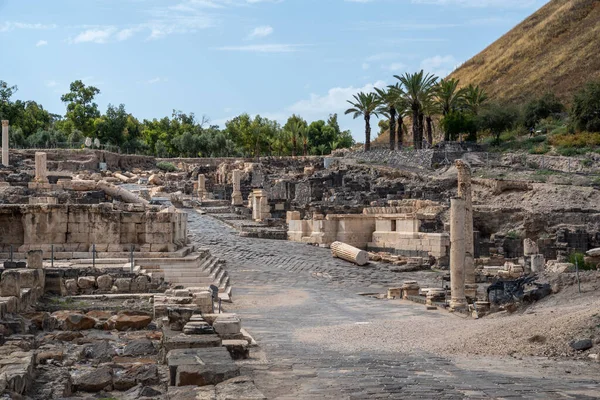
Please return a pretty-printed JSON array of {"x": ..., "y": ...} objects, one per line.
[{"x": 77, "y": 227}]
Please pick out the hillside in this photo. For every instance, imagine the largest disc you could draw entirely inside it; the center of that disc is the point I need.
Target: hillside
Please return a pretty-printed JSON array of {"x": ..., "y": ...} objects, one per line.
[{"x": 555, "y": 49}]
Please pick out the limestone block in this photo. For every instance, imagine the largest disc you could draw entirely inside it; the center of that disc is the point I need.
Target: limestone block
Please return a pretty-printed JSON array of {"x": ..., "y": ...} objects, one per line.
[
  {"x": 530, "y": 247},
  {"x": 538, "y": 263},
  {"x": 11, "y": 304},
  {"x": 140, "y": 284},
  {"x": 227, "y": 325},
  {"x": 86, "y": 282},
  {"x": 292, "y": 216},
  {"x": 30, "y": 278},
  {"x": 10, "y": 285},
  {"x": 71, "y": 287},
  {"x": 122, "y": 285}
]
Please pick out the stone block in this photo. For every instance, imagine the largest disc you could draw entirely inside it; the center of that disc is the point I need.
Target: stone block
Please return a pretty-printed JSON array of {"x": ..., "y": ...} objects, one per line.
[
  {"x": 35, "y": 259},
  {"x": 200, "y": 367},
  {"x": 140, "y": 284},
  {"x": 183, "y": 341},
  {"x": 122, "y": 285},
  {"x": 11, "y": 304},
  {"x": 86, "y": 282},
  {"x": 227, "y": 325},
  {"x": 104, "y": 282},
  {"x": 238, "y": 349},
  {"x": 10, "y": 284},
  {"x": 71, "y": 287}
]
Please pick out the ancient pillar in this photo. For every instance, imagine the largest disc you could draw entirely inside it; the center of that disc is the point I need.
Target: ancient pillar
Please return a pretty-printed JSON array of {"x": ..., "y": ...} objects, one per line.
[
  {"x": 236, "y": 196},
  {"x": 465, "y": 193},
  {"x": 260, "y": 205},
  {"x": 35, "y": 259},
  {"x": 349, "y": 253},
  {"x": 202, "y": 186},
  {"x": 41, "y": 169},
  {"x": 457, "y": 253},
  {"x": 5, "y": 143}
]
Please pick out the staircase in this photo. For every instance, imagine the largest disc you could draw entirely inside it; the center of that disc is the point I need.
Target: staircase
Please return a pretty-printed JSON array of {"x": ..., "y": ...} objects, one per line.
[{"x": 200, "y": 269}]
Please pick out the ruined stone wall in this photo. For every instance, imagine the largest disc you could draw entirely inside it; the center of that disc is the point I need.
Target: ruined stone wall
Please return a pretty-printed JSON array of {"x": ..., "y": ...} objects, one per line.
[{"x": 75, "y": 228}]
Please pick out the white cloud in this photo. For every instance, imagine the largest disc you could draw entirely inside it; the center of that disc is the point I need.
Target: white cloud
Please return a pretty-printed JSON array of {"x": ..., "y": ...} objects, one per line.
[
  {"x": 41, "y": 43},
  {"x": 260, "y": 32},
  {"x": 263, "y": 48},
  {"x": 335, "y": 101},
  {"x": 125, "y": 34},
  {"x": 51, "y": 84},
  {"x": 11, "y": 25},
  {"x": 395, "y": 67},
  {"x": 153, "y": 81},
  {"x": 441, "y": 66},
  {"x": 97, "y": 35}
]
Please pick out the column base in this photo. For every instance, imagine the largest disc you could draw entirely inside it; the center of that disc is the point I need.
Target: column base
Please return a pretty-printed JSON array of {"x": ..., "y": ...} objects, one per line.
[{"x": 458, "y": 304}]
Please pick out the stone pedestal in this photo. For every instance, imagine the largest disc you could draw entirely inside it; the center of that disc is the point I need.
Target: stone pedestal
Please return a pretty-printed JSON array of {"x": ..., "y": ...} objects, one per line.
[
  {"x": 41, "y": 169},
  {"x": 471, "y": 291},
  {"x": 35, "y": 259},
  {"x": 410, "y": 288},
  {"x": 236, "y": 196},
  {"x": 394, "y": 293},
  {"x": 530, "y": 247},
  {"x": 538, "y": 263},
  {"x": 260, "y": 205},
  {"x": 5, "y": 143},
  {"x": 292, "y": 216},
  {"x": 457, "y": 253},
  {"x": 202, "y": 186},
  {"x": 349, "y": 253},
  {"x": 435, "y": 295},
  {"x": 465, "y": 192}
]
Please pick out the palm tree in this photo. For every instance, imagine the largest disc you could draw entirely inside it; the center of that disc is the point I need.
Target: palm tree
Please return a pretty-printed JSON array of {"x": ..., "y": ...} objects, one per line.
[
  {"x": 448, "y": 96},
  {"x": 430, "y": 108},
  {"x": 294, "y": 134},
  {"x": 417, "y": 87},
  {"x": 474, "y": 97},
  {"x": 402, "y": 111},
  {"x": 364, "y": 105},
  {"x": 303, "y": 134},
  {"x": 387, "y": 107}
]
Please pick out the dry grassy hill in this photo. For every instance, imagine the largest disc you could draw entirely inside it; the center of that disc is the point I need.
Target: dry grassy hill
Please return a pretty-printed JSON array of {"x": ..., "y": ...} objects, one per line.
[{"x": 556, "y": 49}]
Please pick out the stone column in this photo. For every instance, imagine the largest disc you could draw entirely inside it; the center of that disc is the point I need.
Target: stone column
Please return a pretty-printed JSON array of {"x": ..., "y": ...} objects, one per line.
[
  {"x": 457, "y": 253},
  {"x": 202, "y": 186},
  {"x": 41, "y": 168},
  {"x": 349, "y": 253},
  {"x": 260, "y": 205},
  {"x": 465, "y": 193},
  {"x": 5, "y": 143},
  {"x": 236, "y": 197}
]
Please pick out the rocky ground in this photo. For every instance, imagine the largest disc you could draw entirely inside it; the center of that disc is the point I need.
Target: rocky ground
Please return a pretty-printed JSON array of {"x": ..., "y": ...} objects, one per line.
[{"x": 319, "y": 339}]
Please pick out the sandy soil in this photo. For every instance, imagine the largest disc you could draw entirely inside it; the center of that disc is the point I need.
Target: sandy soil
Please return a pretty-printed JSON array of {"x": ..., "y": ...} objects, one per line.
[{"x": 553, "y": 322}]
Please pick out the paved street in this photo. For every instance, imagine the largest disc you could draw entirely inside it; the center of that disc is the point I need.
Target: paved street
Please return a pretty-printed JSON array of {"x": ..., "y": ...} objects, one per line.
[{"x": 281, "y": 287}]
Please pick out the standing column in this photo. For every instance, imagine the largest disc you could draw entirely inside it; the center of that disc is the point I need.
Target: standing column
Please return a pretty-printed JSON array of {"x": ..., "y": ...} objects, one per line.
[
  {"x": 465, "y": 192},
  {"x": 5, "y": 143},
  {"x": 236, "y": 197},
  {"x": 41, "y": 168},
  {"x": 201, "y": 186},
  {"x": 457, "y": 253}
]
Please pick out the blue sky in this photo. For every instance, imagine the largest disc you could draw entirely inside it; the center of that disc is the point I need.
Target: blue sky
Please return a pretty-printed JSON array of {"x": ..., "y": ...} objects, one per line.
[{"x": 220, "y": 58}]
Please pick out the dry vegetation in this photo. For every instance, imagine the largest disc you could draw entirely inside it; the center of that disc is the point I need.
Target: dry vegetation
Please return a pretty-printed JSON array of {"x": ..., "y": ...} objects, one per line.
[{"x": 555, "y": 49}]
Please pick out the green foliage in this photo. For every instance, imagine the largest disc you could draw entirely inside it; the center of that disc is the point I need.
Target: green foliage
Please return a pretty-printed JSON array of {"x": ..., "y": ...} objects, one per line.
[
  {"x": 364, "y": 105},
  {"x": 81, "y": 109},
  {"x": 543, "y": 107},
  {"x": 586, "y": 108},
  {"x": 513, "y": 235},
  {"x": 459, "y": 122},
  {"x": 497, "y": 119},
  {"x": 166, "y": 166},
  {"x": 578, "y": 259}
]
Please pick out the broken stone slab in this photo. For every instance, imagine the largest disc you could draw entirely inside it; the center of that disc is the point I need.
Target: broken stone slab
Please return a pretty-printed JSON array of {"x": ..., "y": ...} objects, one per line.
[
  {"x": 238, "y": 349},
  {"x": 126, "y": 378},
  {"x": 593, "y": 252},
  {"x": 183, "y": 341},
  {"x": 73, "y": 321},
  {"x": 10, "y": 285},
  {"x": 200, "y": 367},
  {"x": 198, "y": 328},
  {"x": 127, "y": 322},
  {"x": 93, "y": 380},
  {"x": 227, "y": 325}
]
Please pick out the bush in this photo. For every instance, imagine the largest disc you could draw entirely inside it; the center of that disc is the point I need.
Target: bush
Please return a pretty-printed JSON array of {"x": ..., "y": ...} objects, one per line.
[
  {"x": 578, "y": 140},
  {"x": 546, "y": 106},
  {"x": 498, "y": 119},
  {"x": 166, "y": 166},
  {"x": 586, "y": 108},
  {"x": 579, "y": 258}
]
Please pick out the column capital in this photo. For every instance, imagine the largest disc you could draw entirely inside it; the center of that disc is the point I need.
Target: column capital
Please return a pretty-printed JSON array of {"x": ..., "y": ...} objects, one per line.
[{"x": 4, "y": 122}]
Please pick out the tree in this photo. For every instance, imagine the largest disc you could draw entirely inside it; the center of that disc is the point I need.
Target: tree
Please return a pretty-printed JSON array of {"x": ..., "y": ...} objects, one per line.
[
  {"x": 498, "y": 119},
  {"x": 449, "y": 98},
  {"x": 474, "y": 98},
  {"x": 388, "y": 99},
  {"x": 540, "y": 108},
  {"x": 586, "y": 108},
  {"x": 364, "y": 105},
  {"x": 81, "y": 109},
  {"x": 457, "y": 122},
  {"x": 293, "y": 127},
  {"x": 417, "y": 88},
  {"x": 111, "y": 127},
  {"x": 7, "y": 108}
]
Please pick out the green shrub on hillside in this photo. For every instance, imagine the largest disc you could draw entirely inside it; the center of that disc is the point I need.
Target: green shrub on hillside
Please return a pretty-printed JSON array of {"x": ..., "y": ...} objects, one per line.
[
  {"x": 539, "y": 109},
  {"x": 586, "y": 108}
]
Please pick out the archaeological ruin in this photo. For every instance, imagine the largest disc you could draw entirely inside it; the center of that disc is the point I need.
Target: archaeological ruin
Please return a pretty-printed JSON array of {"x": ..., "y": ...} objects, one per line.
[{"x": 113, "y": 283}]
